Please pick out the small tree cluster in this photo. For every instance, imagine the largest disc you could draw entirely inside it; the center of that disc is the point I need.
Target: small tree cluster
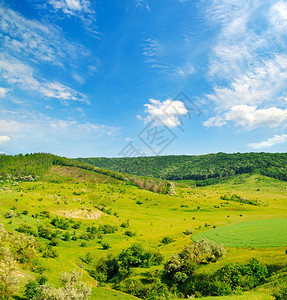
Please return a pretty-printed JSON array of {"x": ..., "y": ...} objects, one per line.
[
  {"x": 182, "y": 264},
  {"x": 72, "y": 288},
  {"x": 132, "y": 257}
]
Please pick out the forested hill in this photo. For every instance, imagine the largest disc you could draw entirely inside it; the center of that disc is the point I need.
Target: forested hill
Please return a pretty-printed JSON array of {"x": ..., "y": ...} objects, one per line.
[
  {"x": 35, "y": 166},
  {"x": 202, "y": 167}
]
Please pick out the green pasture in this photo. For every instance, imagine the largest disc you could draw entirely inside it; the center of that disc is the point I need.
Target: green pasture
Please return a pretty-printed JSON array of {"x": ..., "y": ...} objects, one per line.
[
  {"x": 151, "y": 216},
  {"x": 259, "y": 233}
]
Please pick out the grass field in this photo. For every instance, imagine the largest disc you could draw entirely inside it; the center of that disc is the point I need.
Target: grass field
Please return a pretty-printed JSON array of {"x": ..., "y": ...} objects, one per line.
[
  {"x": 259, "y": 233},
  {"x": 75, "y": 193}
]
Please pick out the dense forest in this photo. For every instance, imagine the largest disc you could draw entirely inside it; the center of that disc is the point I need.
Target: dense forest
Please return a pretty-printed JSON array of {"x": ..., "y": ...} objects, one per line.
[
  {"x": 207, "y": 168},
  {"x": 30, "y": 167}
]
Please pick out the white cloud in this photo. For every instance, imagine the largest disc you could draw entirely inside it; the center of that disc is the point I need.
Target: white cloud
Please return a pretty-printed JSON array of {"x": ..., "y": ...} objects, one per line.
[
  {"x": 39, "y": 126},
  {"x": 4, "y": 139},
  {"x": 278, "y": 16},
  {"x": 143, "y": 3},
  {"x": 152, "y": 49},
  {"x": 3, "y": 92},
  {"x": 78, "y": 78},
  {"x": 264, "y": 83},
  {"x": 22, "y": 75},
  {"x": 36, "y": 41},
  {"x": 72, "y": 7},
  {"x": 84, "y": 10},
  {"x": 186, "y": 70},
  {"x": 276, "y": 139},
  {"x": 250, "y": 117},
  {"x": 247, "y": 63},
  {"x": 214, "y": 122},
  {"x": 168, "y": 112}
]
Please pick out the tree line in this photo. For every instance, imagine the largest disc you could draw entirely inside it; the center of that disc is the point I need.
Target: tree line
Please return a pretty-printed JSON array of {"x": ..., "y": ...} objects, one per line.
[{"x": 204, "y": 169}]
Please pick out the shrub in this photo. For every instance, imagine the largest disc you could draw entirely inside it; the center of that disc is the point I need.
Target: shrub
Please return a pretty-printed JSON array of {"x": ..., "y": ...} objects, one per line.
[
  {"x": 192, "y": 255},
  {"x": 246, "y": 276},
  {"x": 219, "y": 288},
  {"x": 106, "y": 246},
  {"x": 281, "y": 293},
  {"x": 32, "y": 290},
  {"x": 60, "y": 223},
  {"x": 130, "y": 233},
  {"x": 132, "y": 257},
  {"x": 188, "y": 231},
  {"x": 76, "y": 225},
  {"x": 125, "y": 224},
  {"x": 107, "y": 228},
  {"x": 166, "y": 240}
]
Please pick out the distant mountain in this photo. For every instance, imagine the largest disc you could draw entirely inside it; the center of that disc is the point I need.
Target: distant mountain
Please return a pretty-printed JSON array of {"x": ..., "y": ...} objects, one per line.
[{"x": 204, "y": 169}]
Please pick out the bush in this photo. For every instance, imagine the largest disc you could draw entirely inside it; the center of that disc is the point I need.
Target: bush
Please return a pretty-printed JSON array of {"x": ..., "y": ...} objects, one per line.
[
  {"x": 281, "y": 293},
  {"x": 32, "y": 290},
  {"x": 186, "y": 261},
  {"x": 125, "y": 224},
  {"x": 219, "y": 288},
  {"x": 60, "y": 223},
  {"x": 107, "y": 228},
  {"x": 106, "y": 246},
  {"x": 130, "y": 233},
  {"x": 245, "y": 276},
  {"x": 132, "y": 257},
  {"x": 166, "y": 240}
]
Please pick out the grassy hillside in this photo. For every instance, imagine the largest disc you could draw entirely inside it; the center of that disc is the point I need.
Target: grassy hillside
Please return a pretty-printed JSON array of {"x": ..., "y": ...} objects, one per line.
[
  {"x": 74, "y": 217},
  {"x": 205, "y": 169}
]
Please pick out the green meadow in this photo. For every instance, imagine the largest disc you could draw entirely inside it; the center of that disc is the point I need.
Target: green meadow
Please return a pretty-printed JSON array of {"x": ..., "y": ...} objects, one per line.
[
  {"x": 141, "y": 216},
  {"x": 259, "y": 233}
]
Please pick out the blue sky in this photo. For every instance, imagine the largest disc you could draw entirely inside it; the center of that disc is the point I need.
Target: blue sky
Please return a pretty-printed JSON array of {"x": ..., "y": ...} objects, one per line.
[{"x": 100, "y": 77}]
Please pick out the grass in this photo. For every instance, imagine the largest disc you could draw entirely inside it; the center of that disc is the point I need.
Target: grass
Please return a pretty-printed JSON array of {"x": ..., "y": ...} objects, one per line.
[
  {"x": 197, "y": 209},
  {"x": 259, "y": 233}
]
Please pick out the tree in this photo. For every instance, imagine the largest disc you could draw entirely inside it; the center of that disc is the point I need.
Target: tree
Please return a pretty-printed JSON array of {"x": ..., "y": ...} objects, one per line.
[
  {"x": 8, "y": 274},
  {"x": 73, "y": 288}
]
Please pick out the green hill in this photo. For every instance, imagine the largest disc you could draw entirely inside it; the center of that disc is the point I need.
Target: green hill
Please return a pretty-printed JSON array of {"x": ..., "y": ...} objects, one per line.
[
  {"x": 60, "y": 215},
  {"x": 204, "y": 169}
]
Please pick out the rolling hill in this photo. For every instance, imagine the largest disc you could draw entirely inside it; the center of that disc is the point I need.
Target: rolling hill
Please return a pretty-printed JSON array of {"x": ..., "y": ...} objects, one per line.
[
  {"x": 203, "y": 169},
  {"x": 60, "y": 215}
]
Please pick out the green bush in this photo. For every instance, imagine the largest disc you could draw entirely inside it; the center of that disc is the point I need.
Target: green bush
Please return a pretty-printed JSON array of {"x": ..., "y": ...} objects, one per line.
[{"x": 166, "y": 240}]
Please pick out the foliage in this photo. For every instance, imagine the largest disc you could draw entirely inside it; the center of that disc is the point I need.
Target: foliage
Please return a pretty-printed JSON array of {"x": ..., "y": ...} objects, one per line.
[
  {"x": 133, "y": 257},
  {"x": 8, "y": 274},
  {"x": 204, "y": 169},
  {"x": 72, "y": 288},
  {"x": 245, "y": 276},
  {"x": 166, "y": 240},
  {"x": 182, "y": 264}
]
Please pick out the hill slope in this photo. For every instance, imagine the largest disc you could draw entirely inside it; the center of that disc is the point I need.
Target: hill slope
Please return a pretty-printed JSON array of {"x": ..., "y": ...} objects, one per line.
[{"x": 198, "y": 168}]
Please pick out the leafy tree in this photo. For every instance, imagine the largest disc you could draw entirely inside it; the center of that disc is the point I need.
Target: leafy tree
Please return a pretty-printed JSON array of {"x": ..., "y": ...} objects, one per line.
[
  {"x": 72, "y": 288},
  {"x": 8, "y": 274}
]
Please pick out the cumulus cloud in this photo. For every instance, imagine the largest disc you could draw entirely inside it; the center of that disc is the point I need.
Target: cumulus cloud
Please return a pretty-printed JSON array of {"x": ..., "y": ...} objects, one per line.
[
  {"x": 250, "y": 117},
  {"x": 168, "y": 112},
  {"x": 4, "y": 139},
  {"x": 276, "y": 139}
]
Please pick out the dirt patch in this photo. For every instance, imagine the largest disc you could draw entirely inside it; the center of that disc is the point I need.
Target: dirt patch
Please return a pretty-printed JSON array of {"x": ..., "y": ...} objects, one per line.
[{"x": 79, "y": 214}]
